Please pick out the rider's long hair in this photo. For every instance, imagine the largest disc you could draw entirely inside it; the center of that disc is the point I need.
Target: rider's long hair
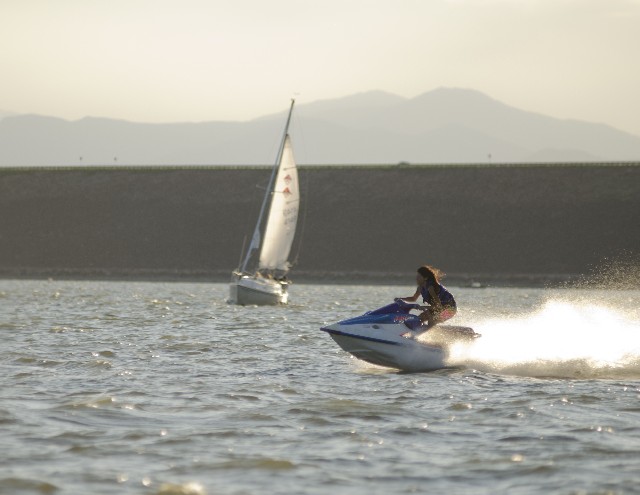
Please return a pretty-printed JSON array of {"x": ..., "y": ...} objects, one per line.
[{"x": 430, "y": 273}]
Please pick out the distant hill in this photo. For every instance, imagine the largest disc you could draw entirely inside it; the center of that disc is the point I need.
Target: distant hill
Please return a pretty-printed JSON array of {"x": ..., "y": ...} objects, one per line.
[{"x": 441, "y": 126}]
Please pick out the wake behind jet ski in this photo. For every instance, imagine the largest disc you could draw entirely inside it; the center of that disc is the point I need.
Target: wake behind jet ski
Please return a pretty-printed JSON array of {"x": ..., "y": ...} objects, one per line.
[{"x": 393, "y": 337}]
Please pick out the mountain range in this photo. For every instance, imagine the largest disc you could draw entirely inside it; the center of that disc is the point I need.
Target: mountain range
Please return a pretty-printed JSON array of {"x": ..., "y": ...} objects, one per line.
[{"x": 446, "y": 125}]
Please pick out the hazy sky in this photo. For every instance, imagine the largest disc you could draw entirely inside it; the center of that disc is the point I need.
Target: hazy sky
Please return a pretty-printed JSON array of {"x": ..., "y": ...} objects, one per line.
[{"x": 197, "y": 60}]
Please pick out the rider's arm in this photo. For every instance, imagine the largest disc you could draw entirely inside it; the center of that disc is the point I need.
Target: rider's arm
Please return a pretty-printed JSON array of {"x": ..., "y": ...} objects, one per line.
[{"x": 412, "y": 298}]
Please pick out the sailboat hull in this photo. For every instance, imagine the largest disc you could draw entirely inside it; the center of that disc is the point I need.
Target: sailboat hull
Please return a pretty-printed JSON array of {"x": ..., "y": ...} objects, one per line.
[{"x": 258, "y": 291}]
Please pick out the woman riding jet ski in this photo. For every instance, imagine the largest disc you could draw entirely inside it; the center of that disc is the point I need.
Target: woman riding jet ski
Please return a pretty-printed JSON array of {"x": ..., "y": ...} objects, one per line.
[{"x": 388, "y": 336}]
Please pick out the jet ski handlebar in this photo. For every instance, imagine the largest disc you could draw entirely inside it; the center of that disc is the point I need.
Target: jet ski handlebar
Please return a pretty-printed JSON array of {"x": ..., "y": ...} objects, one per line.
[
  {"x": 397, "y": 306},
  {"x": 407, "y": 305}
]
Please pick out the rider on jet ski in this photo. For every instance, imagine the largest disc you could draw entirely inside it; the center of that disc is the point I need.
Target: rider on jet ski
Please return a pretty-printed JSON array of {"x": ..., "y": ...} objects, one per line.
[{"x": 441, "y": 304}]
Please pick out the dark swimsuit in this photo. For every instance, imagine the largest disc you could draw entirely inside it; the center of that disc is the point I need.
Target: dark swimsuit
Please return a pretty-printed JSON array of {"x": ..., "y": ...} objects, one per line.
[{"x": 446, "y": 299}]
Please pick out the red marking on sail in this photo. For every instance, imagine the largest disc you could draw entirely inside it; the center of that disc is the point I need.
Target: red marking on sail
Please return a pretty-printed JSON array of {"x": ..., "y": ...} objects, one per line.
[
  {"x": 286, "y": 191},
  {"x": 287, "y": 178}
]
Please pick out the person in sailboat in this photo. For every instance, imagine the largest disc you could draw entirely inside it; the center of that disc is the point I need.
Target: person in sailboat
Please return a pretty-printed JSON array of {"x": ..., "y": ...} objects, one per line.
[{"x": 441, "y": 304}]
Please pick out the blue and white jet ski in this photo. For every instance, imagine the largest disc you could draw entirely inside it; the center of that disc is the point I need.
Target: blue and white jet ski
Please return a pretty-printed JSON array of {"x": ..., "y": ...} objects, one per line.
[{"x": 393, "y": 337}]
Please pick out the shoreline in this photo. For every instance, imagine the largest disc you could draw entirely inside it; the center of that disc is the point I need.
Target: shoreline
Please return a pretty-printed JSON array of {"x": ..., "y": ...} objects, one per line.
[{"x": 325, "y": 278}]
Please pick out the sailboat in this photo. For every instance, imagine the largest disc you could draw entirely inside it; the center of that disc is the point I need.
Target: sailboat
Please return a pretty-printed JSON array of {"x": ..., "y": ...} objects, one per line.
[{"x": 267, "y": 283}]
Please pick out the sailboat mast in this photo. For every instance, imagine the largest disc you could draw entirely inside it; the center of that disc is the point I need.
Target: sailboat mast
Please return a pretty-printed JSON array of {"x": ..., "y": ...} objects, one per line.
[{"x": 255, "y": 239}]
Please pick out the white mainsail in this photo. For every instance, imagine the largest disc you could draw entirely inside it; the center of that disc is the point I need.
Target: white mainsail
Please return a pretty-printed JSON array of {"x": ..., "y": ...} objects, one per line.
[
  {"x": 283, "y": 214},
  {"x": 268, "y": 285}
]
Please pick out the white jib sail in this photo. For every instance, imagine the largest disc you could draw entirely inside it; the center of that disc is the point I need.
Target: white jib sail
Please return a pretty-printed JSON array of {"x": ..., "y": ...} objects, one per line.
[{"x": 283, "y": 214}]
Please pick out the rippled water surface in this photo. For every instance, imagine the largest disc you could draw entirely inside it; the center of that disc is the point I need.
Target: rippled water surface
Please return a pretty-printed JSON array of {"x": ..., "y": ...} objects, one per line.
[{"x": 164, "y": 388}]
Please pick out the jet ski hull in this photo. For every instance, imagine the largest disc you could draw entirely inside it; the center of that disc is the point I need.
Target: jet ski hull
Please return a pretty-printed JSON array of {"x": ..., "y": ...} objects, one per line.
[{"x": 377, "y": 346}]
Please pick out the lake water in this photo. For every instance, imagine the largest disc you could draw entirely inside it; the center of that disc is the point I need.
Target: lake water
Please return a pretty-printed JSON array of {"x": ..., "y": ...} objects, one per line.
[{"x": 164, "y": 388}]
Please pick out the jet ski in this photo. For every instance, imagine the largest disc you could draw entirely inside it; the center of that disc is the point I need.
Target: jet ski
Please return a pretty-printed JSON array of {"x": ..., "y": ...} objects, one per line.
[{"x": 394, "y": 338}]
